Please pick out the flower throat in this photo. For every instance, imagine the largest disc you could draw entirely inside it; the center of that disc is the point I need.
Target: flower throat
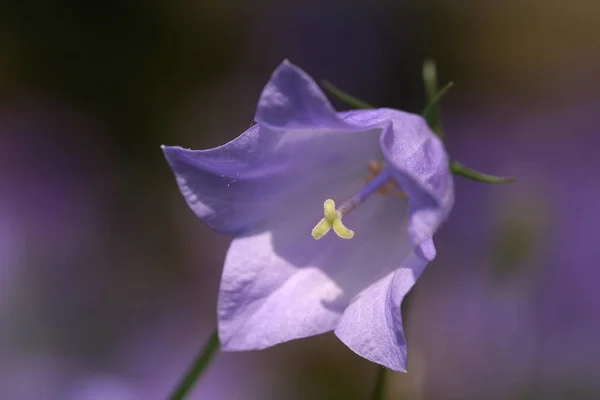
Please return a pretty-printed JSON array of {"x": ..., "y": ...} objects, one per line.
[{"x": 380, "y": 181}]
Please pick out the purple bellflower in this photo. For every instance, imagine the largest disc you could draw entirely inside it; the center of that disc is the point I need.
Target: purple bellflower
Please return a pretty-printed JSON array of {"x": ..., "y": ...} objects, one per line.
[{"x": 271, "y": 186}]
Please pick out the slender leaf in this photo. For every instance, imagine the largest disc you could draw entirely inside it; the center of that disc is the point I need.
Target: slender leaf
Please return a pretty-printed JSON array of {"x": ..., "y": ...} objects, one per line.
[
  {"x": 430, "y": 77},
  {"x": 459, "y": 169},
  {"x": 345, "y": 97},
  {"x": 433, "y": 107},
  {"x": 431, "y": 113}
]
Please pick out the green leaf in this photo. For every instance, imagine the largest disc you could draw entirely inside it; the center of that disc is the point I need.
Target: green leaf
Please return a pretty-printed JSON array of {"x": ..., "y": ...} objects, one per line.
[
  {"x": 459, "y": 169},
  {"x": 431, "y": 113},
  {"x": 430, "y": 77},
  {"x": 345, "y": 97}
]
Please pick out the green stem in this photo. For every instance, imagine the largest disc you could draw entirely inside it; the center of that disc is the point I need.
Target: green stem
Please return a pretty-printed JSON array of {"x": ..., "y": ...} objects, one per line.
[
  {"x": 379, "y": 389},
  {"x": 201, "y": 362}
]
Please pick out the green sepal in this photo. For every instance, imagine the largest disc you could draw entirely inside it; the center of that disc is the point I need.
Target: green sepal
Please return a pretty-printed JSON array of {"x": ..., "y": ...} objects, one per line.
[
  {"x": 459, "y": 169},
  {"x": 345, "y": 97},
  {"x": 431, "y": 113}
]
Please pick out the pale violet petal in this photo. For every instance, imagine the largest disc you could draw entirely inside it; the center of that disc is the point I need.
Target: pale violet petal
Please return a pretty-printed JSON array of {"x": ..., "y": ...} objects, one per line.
[
  {"x": 419, "y": 162},
  {"x": 421, "y": 166},
  {"x": 300, "y": 142},
  {"x": 236, "y": 186},
  {"x": 292, "y": 100},
  {"x": 280, "y": 284},
  {"x": 372, "y": 325}
]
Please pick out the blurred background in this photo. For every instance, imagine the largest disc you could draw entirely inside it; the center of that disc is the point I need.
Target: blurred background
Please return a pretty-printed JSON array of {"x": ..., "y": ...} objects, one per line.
[{"x": 108, "y": 282}]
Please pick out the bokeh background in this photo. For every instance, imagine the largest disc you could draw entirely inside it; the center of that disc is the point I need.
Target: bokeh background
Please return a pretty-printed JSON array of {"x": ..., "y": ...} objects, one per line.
[{"x": 108, "y": 282}]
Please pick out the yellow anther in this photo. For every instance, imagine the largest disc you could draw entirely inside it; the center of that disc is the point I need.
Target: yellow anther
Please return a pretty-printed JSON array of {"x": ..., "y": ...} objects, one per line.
[
  {"x": 333, "y": 220},
  {"x": 330, "y": 212},
  {"x": 321, "y": 229},
  {"x": 341, "y": 230}
]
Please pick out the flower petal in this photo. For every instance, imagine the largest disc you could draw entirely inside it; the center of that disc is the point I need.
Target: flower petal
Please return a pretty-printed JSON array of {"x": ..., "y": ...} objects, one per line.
[
  {"x": 419, "y": 162},
  {"x": 236, "y": 186},
  {"x": 421, "y": 167},
  {"x": 293, "y": 100},
  {"x": 299, "y": 143},
  {"x": 372, "y": 325},
  {"x": 280, "y": 284}
]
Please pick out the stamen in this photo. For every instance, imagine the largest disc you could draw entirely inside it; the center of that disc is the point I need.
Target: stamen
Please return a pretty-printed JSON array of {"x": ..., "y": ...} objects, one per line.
[{"x": 333, "y": 217}]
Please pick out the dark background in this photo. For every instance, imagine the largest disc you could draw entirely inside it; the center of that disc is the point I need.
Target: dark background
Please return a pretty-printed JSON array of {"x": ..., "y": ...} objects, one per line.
[{"x": 108, "y": 282}]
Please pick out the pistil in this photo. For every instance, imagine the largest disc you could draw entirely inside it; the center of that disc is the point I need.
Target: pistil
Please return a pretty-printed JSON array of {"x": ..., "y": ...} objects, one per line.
[{"x": 333, "y": 217}]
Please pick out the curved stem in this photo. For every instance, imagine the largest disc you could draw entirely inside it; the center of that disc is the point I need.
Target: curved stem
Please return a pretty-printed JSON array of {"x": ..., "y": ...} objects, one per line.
[
  {"x": 201, "y": 362},
  {"x": 379, "y": 389}
]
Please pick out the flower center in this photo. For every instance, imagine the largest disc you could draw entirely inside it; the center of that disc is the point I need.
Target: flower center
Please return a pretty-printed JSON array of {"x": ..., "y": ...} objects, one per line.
[
  {"x": 390, "y": 187},
  {"x": 380, "y": 180}
]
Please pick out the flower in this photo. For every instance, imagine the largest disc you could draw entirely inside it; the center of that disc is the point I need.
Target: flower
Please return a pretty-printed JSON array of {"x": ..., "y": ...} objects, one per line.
[{"x": 270, "y": 186}]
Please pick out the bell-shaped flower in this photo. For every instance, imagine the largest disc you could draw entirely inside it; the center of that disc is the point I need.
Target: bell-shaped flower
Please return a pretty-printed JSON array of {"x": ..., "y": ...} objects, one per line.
[{"x": 276, "y": 187}]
